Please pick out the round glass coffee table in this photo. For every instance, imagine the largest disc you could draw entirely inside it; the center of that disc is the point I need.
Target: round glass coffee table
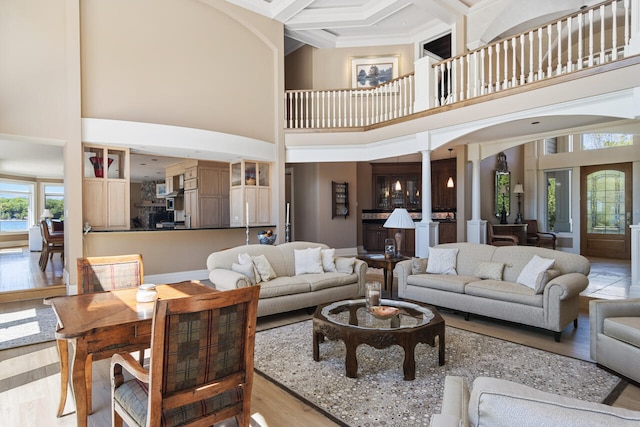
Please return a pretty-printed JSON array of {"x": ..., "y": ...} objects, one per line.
[{"x": 351, "y": 322}]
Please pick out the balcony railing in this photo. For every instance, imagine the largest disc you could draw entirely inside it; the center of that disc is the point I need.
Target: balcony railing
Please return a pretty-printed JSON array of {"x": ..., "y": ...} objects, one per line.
[{"x": 591, "y": 37}]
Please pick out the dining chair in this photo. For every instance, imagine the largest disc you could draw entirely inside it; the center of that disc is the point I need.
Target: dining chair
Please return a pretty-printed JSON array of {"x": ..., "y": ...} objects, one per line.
[
  {"x": 500, "y": 239},
  {"x": 539, "y": 238},
  {"x": 50, "y": 245},
  {"x": 201, "y": 365},
  {"x": 99, "y": 274}
]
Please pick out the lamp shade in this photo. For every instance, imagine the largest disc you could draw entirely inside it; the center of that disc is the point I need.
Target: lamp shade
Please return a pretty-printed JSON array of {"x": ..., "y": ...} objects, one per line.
[
  {"x": 399, "y": 218},
  {"x": 518, "y": 189},
  {"x": 46, "y": 214}
]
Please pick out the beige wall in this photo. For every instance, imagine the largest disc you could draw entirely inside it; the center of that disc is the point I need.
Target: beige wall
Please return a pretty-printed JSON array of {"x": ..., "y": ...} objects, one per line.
[
  {"x": 332, "y": 67},
  {"x": 32, "y": 68},
  {"x": 183, "y": 63},
  {"x": 298, "y": 67}
]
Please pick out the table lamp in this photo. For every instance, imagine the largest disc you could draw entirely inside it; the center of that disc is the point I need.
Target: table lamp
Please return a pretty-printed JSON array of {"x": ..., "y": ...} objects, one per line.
[
  {"x": 399, "y": 219},
  {"x": 46, "y": 215}
]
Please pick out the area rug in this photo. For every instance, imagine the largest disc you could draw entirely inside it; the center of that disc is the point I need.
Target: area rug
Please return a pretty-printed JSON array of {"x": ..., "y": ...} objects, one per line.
[
  {"x": 27, "y": 326},
  {"x": 380, "y": 396}
]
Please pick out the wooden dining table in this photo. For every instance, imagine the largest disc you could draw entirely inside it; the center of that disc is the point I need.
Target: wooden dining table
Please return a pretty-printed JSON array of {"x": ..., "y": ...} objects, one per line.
[{"x": 96, "y": 326}]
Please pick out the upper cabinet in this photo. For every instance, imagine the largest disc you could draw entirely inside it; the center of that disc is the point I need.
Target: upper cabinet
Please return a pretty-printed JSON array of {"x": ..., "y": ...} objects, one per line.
[
  {"x": 206, "y": 193},
  {"x": 105, "y": 190},
  {"x": 250, "y": 193},
  {"x": 396, "y": 185},
  {"x": 443, "y": 197}
]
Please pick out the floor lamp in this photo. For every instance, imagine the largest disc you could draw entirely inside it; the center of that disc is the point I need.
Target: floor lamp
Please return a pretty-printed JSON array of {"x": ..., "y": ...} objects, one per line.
[
  {"x": 399, "y": 219},
  {"x": 518, "y": 191}
]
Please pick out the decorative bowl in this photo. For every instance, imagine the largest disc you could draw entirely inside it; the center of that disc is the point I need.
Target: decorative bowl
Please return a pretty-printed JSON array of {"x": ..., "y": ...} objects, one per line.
[
  {"x": 383, "y": 311},
  {"x": 267, "y": 240}
]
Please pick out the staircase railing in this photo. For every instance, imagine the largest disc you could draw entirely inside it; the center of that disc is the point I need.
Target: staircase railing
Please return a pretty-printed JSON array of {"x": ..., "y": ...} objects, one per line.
[{"x": 590, "y": 37}]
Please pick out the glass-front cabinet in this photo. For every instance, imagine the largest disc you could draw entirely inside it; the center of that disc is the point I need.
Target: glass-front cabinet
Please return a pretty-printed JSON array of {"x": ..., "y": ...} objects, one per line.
[
  {"x": 250, "y": 193},
  {"x": 105, "y": 188},
  {"x": 393, "y": 189}
]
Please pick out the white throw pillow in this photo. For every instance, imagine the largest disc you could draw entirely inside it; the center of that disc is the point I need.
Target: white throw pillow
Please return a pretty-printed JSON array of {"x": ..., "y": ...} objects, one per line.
[
  {"x": 489, "y": 270},
  {"x": 308, "y": 261},
  {"x": 345, "y": 265},
  {"x": 328, "y": 260},
  {"x": 264, "y": 268},
  {"x": 529, "y": 274},
  {"x": 245, "y": 259},
  {"x": 245, "y": 269},
  {"x": 442, "y": 261}
]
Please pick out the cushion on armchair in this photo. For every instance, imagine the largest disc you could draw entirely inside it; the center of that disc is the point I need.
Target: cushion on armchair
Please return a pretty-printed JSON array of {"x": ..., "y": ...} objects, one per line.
[{"x": 626, "y": 329}]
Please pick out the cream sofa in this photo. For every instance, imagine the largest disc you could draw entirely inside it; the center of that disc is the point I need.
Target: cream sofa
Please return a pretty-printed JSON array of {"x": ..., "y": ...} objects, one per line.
[
  {"x": 288, "y": 291},
  {"x": 555, "y": 307},
  {"x": 615, "y": 335},
  {"x": 497, "y": 403}
]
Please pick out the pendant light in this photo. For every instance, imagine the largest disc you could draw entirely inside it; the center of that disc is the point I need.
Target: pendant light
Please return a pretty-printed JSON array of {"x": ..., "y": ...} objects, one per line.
[{"x": 450, "y": 183}]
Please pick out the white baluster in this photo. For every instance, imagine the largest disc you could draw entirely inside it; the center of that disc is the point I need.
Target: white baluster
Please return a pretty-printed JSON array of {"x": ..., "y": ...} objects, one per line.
[
  {"x": 580, "y": 42},
  {"x": 505, "y": 46},
  {"x": 590, "y": 62},
  {"x": 549, "y": 52},
  {"x": 569, "y": 46},
  {"x": 602, "y": 36},
  {"x": 531, "y": 65},
  {"x": 559, "y": 66},
  {"x": 490, "y": 83},
  {"x": 498, "y": 84},
  {"x": 614, "y": 30},
  {"x": 523, "y": 64},
  {"x": 540, "y": 36},
  {"x": 514, "y": 53},
  {"x": 483, "y": 82}
]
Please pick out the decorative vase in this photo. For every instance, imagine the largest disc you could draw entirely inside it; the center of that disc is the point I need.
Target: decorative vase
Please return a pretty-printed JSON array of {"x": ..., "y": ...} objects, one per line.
[{"x": 98, "y": 168}]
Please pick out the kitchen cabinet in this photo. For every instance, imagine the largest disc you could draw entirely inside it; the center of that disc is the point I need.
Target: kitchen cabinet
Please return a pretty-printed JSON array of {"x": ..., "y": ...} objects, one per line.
[
  {"x": 206, "y": 194},
  {"x": 396, "y": 185},
  {"x": 447, "y": 232},
  {"x": 250, "y": 186},
  {"x": 106, "y": 187},
  {"x": 374, "y": 234},
  {"x": 442, "y": 197}
]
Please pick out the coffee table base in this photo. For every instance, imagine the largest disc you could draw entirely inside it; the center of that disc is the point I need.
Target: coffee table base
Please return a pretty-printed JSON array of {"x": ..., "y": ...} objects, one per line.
[{"x": 406, "y": 338}]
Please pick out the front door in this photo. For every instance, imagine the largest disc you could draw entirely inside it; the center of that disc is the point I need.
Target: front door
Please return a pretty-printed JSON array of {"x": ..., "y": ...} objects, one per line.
[{"x": 605, "y": 208}]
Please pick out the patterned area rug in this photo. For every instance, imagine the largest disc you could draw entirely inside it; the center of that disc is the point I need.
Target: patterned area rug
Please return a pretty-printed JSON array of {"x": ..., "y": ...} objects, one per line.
[
  {"x": 380, "y": 396},
  {"x": 29, "y": 326}
]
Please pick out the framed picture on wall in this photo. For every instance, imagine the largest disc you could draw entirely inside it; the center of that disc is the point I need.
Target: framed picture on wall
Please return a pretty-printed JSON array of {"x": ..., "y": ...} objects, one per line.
[
  {"x": 161, "y": 191},
  {"x": 370, "y": 72}
]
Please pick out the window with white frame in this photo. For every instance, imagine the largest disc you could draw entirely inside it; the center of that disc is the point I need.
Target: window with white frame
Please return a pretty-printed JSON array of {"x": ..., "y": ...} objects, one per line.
[
  {"x": 558, "y": 200},
  {"x": 594, "y": 141},
  {"x": 16, "y": 206},
  {"x": 54, "y": 199}
]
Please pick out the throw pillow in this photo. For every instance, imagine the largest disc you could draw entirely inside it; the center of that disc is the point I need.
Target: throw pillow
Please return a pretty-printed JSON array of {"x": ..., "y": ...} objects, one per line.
[
  {"x": 328, "y": 260},
  {"x": 264, "y": 268},
  {"x": 529, "y": 274},
  {"x": 245, "y": 259},
  {"x": 544, "y": 278},
  {"x": 246, "y": 269},
  {"x": 345, "y": 265},
  {"x": 489, "y": 270},
  {"x": 442, "y": 261},
  {"x": 418, "y": 265},
  {"x": 308, "y": 261}
]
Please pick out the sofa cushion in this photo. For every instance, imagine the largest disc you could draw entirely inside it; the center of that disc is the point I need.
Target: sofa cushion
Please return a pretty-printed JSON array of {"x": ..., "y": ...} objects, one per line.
[
  {"x": 246, "y": 269},
  {"x": 284, "y": 286},
  {"x": 418, "y": 265},
  {"x": 504, "y": 291},
  {"x": 345, "y": 265},
  {"x": 544, "y": 278},
  {"x": 499, "y": 403},
  {"x": 626, "y": 329},
  {"x": 445, "y": 282},
  {"x": 245, "y": 259},
  {"x": 489, "y": 270},
  {"x": 529, "y": 274},
  {"x": 308, "y": 261},
  {"x": 328, "y": 260},
  {"x": 442, "y": 261},
  {"x": 264, "y": 268},
  {"x": 329, "y": 280}
]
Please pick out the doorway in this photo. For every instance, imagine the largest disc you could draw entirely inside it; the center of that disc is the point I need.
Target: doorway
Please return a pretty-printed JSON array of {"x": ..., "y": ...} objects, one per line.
[{"x": 605, "y": 208}]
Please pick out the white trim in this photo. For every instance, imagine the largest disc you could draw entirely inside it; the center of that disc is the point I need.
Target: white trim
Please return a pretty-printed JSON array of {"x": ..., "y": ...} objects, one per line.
[{"x": 178, "y": 276}]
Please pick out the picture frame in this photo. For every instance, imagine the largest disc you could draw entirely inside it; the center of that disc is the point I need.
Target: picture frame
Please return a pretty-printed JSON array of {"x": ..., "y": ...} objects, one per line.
[
  {"x": 369, "y": 72},
  {"x": 161, "y": 191}
]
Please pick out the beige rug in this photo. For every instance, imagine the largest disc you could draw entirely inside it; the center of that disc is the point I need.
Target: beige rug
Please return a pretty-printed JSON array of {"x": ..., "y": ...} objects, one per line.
[
  {"x": 380, "y": 396},
  {"x": 28, "y": 326}
]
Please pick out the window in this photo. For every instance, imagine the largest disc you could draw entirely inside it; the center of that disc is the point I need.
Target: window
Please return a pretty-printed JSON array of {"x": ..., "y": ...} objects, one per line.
[
  {"x": 54, "y": 199},
  {"x": 16, "y": 206},
  {"x": 594, "y": 141},
  {"x": 558, "y": 200}
]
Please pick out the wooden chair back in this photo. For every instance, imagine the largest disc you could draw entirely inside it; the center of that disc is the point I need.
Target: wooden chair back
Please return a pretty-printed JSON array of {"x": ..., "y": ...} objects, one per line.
[
  {"x": 538, "y": 238},
  {"x": 500, "y": 239},
  {"x": 99, "y": 274},
  {"x": 201, "y": 369}
]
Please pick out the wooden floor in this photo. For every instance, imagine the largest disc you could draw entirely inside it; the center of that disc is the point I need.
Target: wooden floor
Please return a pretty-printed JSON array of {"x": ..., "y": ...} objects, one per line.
[{"x": 21, "y": 277}]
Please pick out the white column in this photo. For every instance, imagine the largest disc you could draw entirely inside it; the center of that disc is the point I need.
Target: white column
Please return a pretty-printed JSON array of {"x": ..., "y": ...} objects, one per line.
[
  {"x": 476, "y": 227},
  {"x": 634, "y": 44},
  {"x": 426, "y": 230},
  {"x": 425, "y": 87},
  {"x": 634, "y": 290}
]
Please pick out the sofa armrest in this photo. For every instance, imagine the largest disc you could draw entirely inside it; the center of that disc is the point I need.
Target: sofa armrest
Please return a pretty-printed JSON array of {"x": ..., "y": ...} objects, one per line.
[
  {"x": 403, "y": 269},
  {"x": 601, "y": 309},
  {"x": 225, "y": 280},
  {"x": 571, "y": 285},
  {"x": 360, "y": 268},
  {"x": 455, "y": 404}
]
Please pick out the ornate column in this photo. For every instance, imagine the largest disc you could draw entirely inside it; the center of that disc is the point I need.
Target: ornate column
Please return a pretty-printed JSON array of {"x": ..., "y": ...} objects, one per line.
[{"x": 476, "y": 227}]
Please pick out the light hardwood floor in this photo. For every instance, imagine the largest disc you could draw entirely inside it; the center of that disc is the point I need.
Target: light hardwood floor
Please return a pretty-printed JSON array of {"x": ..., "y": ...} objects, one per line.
[{"x": 21, "y": 277}]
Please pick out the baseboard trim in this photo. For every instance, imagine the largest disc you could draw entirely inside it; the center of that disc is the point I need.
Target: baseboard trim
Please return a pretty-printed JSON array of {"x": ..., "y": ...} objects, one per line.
[
  {"x": 178, "y": 276},
  {"x": 35, "y": 293}
]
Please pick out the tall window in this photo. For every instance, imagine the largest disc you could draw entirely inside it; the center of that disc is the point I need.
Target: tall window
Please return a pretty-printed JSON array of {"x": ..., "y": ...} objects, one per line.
[
  {"x": 594, "y": 141},
  {"x": 558, "y": 200},
  {"x": 16, "y": 206},
  {"x": 54, "y": 199}
]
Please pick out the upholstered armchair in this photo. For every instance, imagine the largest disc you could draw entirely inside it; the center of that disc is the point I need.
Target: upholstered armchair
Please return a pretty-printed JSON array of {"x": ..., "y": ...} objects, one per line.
[
  {"x": 615, "y": 335},
  {"x": 500, "y": 239}
]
